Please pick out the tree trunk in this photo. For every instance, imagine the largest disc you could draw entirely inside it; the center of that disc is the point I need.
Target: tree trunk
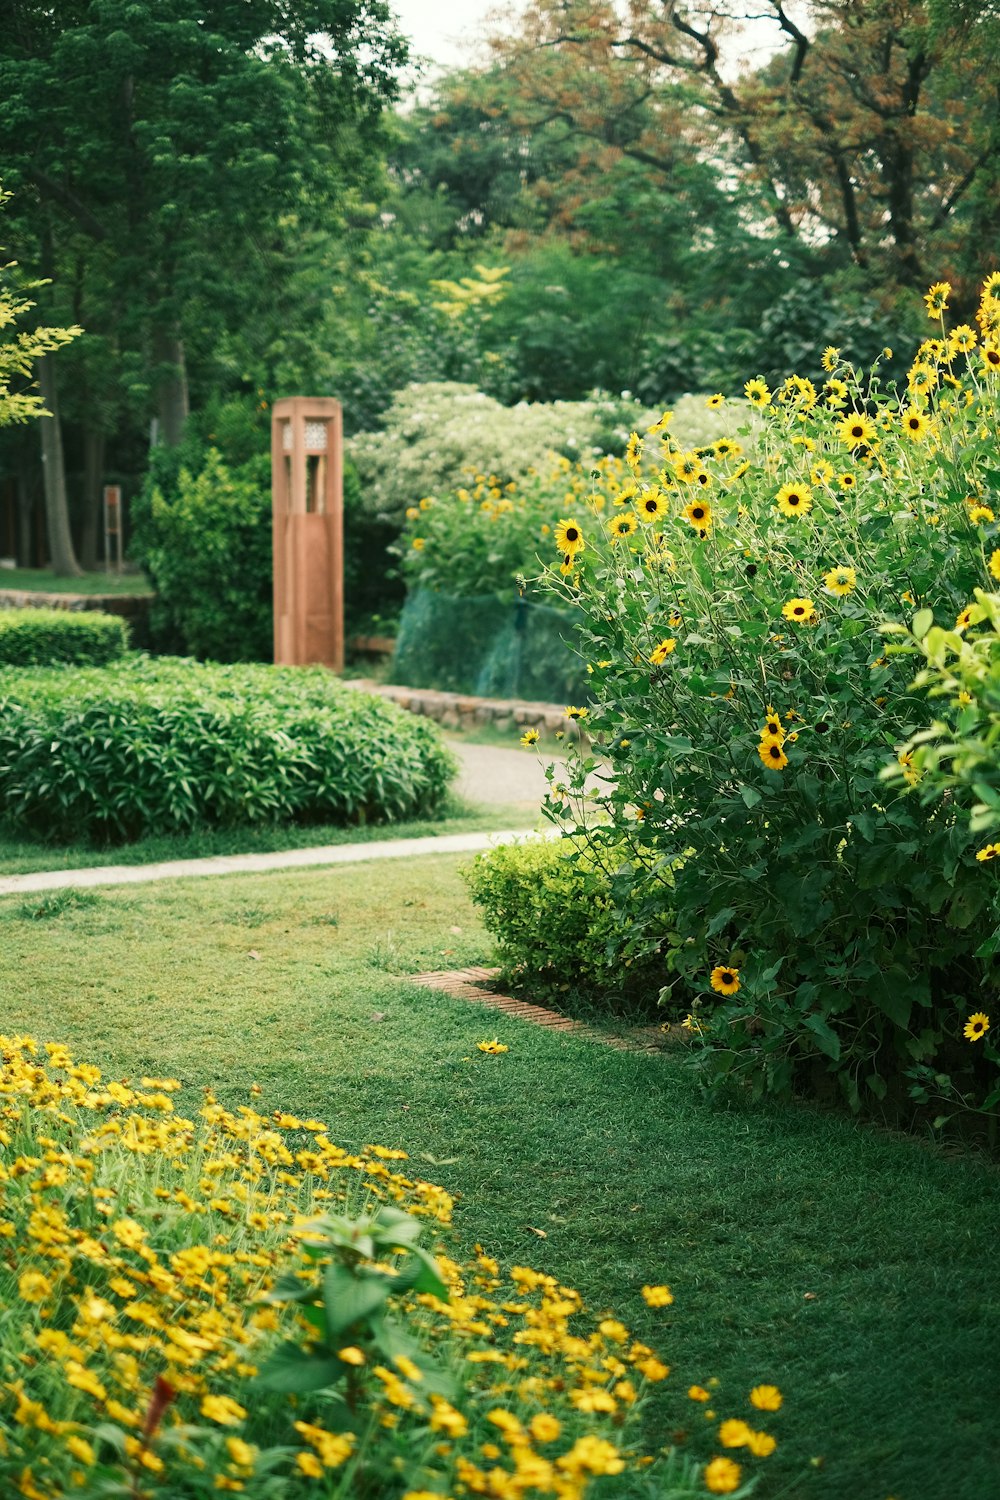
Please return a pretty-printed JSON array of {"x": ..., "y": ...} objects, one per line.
[
  {"x": 25, "y": 523},
  {"x": 171, "y": 386},
  {"x": 61, "y": 552},
  {"x": 93, "y": 472}
]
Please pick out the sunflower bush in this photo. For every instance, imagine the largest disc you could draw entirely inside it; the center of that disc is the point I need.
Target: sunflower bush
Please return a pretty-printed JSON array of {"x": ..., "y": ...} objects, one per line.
[
  {"x": 230, "y": 1302},
  {"x": 731, "y": 607}
]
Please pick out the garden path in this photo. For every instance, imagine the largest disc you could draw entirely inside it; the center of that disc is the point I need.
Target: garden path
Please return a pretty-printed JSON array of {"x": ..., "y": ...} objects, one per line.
[{"x": 491, "y": 776}]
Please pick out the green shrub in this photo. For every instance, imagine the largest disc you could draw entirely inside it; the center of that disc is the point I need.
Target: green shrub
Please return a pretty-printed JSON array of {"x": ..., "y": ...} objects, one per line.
[
  {"x": 437, "y": 434},
  {"x": 47, "y": 637},
  {"x": 549, "y": 906},
  {"x": 827, "y": 922},
  {"x": 156, "y": 746}
]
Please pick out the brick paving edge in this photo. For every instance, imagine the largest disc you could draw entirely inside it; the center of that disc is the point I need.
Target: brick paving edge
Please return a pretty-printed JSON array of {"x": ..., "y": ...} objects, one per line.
[{"x": 469, "y": 984}]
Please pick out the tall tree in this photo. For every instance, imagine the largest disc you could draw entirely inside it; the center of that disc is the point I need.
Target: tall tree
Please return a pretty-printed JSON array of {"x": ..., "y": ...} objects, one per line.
[{"x": 870, "y": 131}]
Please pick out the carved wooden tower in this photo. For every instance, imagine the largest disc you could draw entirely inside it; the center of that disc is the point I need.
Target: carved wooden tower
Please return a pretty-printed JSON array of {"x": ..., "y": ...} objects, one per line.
[{"x": 307, "y": 494}]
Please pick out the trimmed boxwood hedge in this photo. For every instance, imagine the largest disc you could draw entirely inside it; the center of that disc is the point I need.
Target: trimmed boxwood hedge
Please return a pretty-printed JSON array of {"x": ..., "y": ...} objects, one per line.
[
  {"x": 168, "y": 745},
  {"x": 53, "y": 637}
]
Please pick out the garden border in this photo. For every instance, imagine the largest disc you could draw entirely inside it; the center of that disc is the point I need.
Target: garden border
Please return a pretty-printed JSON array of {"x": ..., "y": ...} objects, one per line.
[
  {"x": 464, "y": 711},
  {"x": 470, "y": 984}
]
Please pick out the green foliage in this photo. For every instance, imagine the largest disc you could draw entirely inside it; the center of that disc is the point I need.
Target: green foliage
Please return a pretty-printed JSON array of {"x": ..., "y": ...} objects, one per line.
[
  {"x": 157, "y": 746},
  {"x": 550, "y": 909},
  {"x": 742, "y": 688},
  {"x": 47, "y": 637},
  {"x": 19, "y": 351},
  {"x": 206, "y": 546}
]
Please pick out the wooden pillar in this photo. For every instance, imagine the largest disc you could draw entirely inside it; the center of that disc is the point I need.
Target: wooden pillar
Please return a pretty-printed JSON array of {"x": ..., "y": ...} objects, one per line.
[{"x": 307, "y": 497}]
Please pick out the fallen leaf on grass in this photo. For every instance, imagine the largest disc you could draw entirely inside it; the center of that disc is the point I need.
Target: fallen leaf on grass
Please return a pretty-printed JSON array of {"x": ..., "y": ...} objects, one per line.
[
  {"x": 379, "y": 1015},
  {"x": 253, "y": 953},
  {"x": 540, "y": 1232}
]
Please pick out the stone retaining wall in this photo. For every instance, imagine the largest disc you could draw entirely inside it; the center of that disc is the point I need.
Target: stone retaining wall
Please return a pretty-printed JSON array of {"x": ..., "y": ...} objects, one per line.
[{"x": 460, "y": 711}]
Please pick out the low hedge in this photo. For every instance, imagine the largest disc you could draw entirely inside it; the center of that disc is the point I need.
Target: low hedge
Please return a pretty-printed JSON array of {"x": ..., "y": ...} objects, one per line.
[
  {"x": 167, "y": 745},
  {"x": 51, "y": 637},
  {"x": 550, "y": 907}
]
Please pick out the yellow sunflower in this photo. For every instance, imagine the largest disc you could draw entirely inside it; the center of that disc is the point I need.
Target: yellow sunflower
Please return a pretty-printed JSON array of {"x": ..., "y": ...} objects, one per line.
[
  {"x": 830, "y": 358},
  {"x": 914, "y": 424},
  {"x": 822, "y": 472},
  {"x": 772, "y": 755},
  {"x": 725, "y": 980},
  {"x": 659, "y": 653},
  {"x": 988, "y": 852},
  {"x": 633, "y": 450},
  {"x": 847, "y": 481},
  {"x": 799, "y": 611},
  {"x": 756, "y": 392},
  {"x": 962, "y": 339},
  {"x": 937, "y": 298},
  {"x": 994, "y": 564},
  {"x": 976, "y": 1026},
  {"x": 686, "y": 466},
  {"x": 840, "y": 580},
  {"x": 921, "y": 378},
  {"x": 855, "y": 430},
  {"x": 622, "y": 525},
  {"x": 991, "y": 359},
  {"x": 794, "y": 499},
  {"x": 652, "y": 505},
  {"x": 715, "y": 400},
  {"x": 698, "y": 514},
  {"x": 569, "y": 537}
]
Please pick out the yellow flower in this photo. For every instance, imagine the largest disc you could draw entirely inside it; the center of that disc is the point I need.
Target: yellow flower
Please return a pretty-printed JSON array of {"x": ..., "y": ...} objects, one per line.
[
  {"x": 914, "y": 424},
  {"x": 699, "y": 515},
  {"x": 794, "y": 499},
  {"x": 545, "y": 1428},
  {"x": 698, "y": 1393},
  {"x": 222, "y": 1409},
  {"x": 822, "y": 472},
  {"x": 761, "y": 1444},
  {"x": 847, "y": 481},
  {"x": 412, "y": 512},
  {"x": 569, "y": 537},
  {"x": 622, "y": 525},
  {"x": 830, "y": 358},
  {"x": 799, "y": 611},
  {"x": 722, "y": 1476},
  {"x": 715, "y": 400},
  {"x": 81, "y": 1449},
  {"x": 659, "y": 653},
  {"x": 594, "y": 1401},
  {"x": 937, "y": 298},
  {"x": 591, "y": 1455},
  {"x": 766, "y": 1398},
  {"x": 772, "y": 755},
  {"x": 575, "y": 713},
  {"x": 657, "y": 1296},
  {"x": 855, "y": 430},
  {"x": 976, "y": 1026},
  {"x": 32, "y": 1286},
  {"x": 240, "y": 1452},
  {"x": 418, "y": 543},
  {"x": 980, "y": 513},
  {"x": 965, "y": 617},
  {"x": 652, "y": 1368},
  {"x": 757, "y": 393},
  {"x": 994, "y": 563},
  {"x": 444, "y": 1418},
  {"x": 529, "y": 738},
  {"x": 309, "y": 1465},
  {"x": 840, "y": 580},
  {"x": 725, "y": 980},
  {"x": 734, "y": 1433},
  {"x": 988, "y": 852},
  {"x": 652, "y": 505},
  {"x": 492, "y": 1047},
  {"x": 910, "y": 773}
]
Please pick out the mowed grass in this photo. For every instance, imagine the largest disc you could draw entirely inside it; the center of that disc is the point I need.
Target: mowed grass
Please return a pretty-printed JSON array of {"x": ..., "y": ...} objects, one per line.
[
  {"x": 853, "y": 1268},
  {"x": 44, "y": 581}
]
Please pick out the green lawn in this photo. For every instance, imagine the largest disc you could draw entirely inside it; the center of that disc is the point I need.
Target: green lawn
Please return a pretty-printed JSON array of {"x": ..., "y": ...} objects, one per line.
[
  {"x": 43, "y": 581},
  {"x": 854, "y": 1268}
]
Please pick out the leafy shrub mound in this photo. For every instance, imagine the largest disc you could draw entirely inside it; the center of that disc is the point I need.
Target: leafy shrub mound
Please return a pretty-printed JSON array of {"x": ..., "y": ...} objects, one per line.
[
  {"x": 231, "y": 1302},
  {"x": 50, "y": 637},
  {"x": 160, "y": 745},
  {"x": 550, "y": 907},
  {"x": 438, "y": 431},
  {"x": 829, "y": 922}
]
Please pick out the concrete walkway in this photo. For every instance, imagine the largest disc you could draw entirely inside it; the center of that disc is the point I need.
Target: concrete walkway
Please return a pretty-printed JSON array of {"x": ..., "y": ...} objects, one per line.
[
  {"x": 245, "y": 864},
  {"x": 490, "y": 776}
]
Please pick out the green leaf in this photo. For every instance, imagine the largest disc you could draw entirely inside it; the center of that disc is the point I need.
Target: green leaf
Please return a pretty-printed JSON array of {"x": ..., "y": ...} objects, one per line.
[
  {"x": 827, "y": 1039},
  {"x": 292, "y": 1371},
  {"x": 922, "y": 622},
  {"x": 750, "y": 795},
  {"x": 352, "y": 1296}
]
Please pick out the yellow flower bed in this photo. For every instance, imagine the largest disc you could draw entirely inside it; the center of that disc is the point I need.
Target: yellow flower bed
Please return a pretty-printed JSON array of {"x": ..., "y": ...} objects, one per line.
[{"x": 156, "y": 1270}]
